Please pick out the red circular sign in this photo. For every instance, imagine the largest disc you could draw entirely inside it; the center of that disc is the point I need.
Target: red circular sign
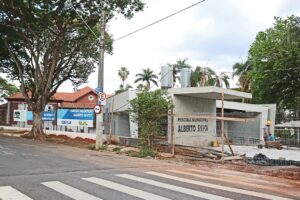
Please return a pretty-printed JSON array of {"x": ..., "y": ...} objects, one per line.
[{"x": 97, "y": 109}]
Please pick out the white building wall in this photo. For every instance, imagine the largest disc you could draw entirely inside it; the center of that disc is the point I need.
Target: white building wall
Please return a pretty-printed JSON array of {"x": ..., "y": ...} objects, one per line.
[
  {"x": 194, "y": 134},
  {"x": 122, "y": 123}
]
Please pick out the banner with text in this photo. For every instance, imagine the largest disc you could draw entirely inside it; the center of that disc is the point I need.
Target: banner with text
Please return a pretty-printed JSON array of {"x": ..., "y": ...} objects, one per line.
[
  {"x": 20, "y": 115},
  {"x": 187, "y": 126},
  {"x": 46, "y": 116},
  {"x": 75, "y": 117}
]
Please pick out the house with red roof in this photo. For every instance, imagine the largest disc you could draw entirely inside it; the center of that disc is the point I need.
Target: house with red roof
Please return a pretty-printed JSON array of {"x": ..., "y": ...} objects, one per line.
[{"x": 85, "y": 98}]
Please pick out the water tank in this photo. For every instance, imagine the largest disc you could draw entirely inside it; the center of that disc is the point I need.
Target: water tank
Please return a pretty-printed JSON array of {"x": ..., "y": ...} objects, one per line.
[
  {"x": 166, "y": 77},
  {"x": 185, "y": 77}
]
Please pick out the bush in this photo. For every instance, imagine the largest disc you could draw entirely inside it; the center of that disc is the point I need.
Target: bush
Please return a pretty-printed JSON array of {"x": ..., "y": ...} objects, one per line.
[
  {"x": 148, "y": 110},
  {"x": 117, "y": 149},
  {"x": 147, "y": 152}
]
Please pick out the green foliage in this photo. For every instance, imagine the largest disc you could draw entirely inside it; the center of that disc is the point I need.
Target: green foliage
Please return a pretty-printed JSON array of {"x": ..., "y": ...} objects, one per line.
[
  {"x": 148, "y": 110},
  {"x": 103, "y": 147},
  {"x": 147, "y": 152},
  {"x": 45, "y": 43},
  {"x": 123, "y": 89},
  {"x": 275, "y": 60},
  {"x": 180, "y": 64},
  {"x": 205, "y": 76},
  {"x": 117, "y": 149},
  {"x": 6, "y": 89},
  {"x": 123, "y": 74},
  {"x": 147, "y": 76},
  {"x": 143, "y": 153},
  {"x": 242, "y": 70}
]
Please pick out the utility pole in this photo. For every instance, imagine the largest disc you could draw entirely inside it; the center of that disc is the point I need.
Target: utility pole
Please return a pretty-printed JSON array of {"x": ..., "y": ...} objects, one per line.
[{"x": 99, "y": 117}]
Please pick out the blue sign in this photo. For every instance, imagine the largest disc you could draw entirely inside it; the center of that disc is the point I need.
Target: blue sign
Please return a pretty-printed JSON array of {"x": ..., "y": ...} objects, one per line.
[
  {"x": 98, "y": 90},
  {"x": 46, "y": 116},
  {"x": 75, "y": 117}
]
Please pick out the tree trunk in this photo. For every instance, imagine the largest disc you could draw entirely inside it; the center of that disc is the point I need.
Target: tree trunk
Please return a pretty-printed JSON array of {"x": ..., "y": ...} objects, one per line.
[{"x": 37, "y": 126}]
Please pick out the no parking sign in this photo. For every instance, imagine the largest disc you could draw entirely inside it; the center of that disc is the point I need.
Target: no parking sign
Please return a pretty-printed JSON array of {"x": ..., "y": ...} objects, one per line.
[{"x": 101, "y": 98}]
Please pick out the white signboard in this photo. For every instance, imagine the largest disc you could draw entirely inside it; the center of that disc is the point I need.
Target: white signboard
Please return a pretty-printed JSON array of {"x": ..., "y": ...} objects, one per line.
[
  {"x": 187, "y": 126},
  {"x": 20, "y": 115}
]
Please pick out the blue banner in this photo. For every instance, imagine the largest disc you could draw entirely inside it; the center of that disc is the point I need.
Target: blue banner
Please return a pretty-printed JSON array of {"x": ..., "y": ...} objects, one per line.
[
  {"x": 46, "y": 116},
  {"x": 75, "y": 117}
]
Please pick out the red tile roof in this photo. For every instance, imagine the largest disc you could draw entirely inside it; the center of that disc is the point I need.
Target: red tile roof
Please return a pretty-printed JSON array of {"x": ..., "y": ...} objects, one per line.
[
  {"x": 76, "y": 105},
  {"x": 61, "y": 96}
]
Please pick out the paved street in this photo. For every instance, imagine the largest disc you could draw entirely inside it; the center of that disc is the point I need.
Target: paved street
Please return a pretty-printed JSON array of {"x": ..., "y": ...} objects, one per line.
[{"x": 46, "y": 171}]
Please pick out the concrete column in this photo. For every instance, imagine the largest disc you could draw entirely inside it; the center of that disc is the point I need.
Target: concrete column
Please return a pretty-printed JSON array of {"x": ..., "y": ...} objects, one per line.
[{"x": 133, "y": 128}]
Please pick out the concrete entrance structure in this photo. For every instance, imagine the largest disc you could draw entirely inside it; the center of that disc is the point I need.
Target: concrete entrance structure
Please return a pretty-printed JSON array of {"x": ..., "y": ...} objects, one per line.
[
  {"x": 116, "y": 115},
  {"x": 249, "y": 132},
  {"x": 197, "y": 101}
]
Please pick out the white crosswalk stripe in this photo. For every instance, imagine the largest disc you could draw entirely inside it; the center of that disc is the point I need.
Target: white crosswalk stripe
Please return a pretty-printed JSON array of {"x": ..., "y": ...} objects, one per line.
[
  {"x": 9, "y": 193},
  {"x": 173, "y": 187},
  {"x": 69, "y": 191},
  {"x": 125, "y": 189},
  {"x": 230, "y": 189}
]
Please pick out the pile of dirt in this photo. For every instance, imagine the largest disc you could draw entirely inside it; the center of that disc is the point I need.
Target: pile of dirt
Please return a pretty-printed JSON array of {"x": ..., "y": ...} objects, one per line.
[{"x": 63, "y": 139}]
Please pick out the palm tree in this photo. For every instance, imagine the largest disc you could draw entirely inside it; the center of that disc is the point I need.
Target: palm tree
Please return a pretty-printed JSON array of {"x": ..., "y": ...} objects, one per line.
[
  {"x": 242, "y": 71},
  {"x": 147, "y": 76},
  {"x": 203, "y": 76},
  {"x": 222, "y": 78},
  {"x": 180, "y": 64},
  {"x": 123, "y": 74}
]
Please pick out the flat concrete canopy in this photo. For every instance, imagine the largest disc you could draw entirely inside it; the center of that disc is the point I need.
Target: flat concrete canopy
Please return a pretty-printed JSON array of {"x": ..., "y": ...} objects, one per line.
[{"x": 210, "y": 92}]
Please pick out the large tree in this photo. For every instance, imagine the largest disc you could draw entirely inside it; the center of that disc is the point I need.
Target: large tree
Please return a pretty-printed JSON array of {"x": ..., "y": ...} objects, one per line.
[
  {"x": 147, "y": 76},
  {"x": 44, "y": 43},
  {"x": 275, "y": 60},
  {"x": 6, "y": 89}
]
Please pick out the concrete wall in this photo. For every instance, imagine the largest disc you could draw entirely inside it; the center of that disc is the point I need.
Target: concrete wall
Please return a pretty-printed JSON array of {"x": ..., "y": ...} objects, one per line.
[
  {"x": 122, "y": 124},
  {"x": 265, "y": 112},
  {"x": 193, "y": 131},
  {"x": 248, "y": 130}
]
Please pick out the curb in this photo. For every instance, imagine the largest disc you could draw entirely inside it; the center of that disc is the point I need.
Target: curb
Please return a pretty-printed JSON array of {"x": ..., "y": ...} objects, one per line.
[{"x": 11, "y": 134}]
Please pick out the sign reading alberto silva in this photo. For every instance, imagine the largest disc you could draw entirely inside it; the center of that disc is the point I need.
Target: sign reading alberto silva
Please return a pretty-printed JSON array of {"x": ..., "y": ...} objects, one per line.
[
  {"x": 191, "y": 126},
  {"x": 75, "y": 117}
]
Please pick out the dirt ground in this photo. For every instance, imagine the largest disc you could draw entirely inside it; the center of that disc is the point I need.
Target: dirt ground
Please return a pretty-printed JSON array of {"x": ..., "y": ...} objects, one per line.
[{"x": 287, "y": 172}]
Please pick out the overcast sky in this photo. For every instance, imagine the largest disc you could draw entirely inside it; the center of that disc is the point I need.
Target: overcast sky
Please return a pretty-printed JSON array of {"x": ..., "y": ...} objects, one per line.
[{"x": 216, "y": 33}]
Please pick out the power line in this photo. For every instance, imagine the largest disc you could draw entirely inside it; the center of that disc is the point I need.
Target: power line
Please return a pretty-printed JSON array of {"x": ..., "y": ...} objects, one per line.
[{"x": 164, "y": 18}]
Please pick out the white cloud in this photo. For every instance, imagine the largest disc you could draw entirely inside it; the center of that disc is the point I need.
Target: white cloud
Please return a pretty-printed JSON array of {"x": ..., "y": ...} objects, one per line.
[{"x": 215, "y": 34}]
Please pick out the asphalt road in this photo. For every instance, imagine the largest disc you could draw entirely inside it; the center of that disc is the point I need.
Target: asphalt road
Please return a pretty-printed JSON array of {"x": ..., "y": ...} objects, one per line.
[{"x": 47, "y": 171}]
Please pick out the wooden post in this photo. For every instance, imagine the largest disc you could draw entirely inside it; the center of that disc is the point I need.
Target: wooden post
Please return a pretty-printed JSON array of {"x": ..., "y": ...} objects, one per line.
[
  {"x": 172, "y": 133},
  {"x": 111, "y": 119},
  {"x": 222, "y": 127}
]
